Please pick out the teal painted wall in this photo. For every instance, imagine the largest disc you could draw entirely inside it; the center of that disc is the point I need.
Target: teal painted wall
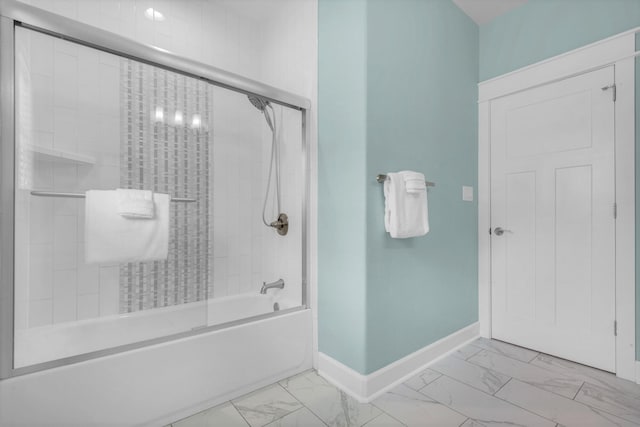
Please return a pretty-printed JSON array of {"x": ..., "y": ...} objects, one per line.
[
  {"x": 342, "y": 98},
  {"x": 422, "y": 62},
  {"x": 544, "y": 28},
  {"x": 397, "y": 90},
  {"x": 393, "y": 96}
]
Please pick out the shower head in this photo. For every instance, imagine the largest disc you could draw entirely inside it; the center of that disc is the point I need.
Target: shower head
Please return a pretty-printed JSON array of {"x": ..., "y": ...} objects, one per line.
[{"x": 258, "y": 102}]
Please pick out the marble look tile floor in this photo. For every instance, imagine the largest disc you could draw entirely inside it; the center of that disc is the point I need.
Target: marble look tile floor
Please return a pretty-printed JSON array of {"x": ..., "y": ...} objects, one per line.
[{"x": 486, "y": 383}]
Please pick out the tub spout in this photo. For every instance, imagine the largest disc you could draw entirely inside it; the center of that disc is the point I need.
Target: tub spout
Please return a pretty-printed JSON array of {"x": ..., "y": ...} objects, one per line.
[{"x": 279, "y": 284}]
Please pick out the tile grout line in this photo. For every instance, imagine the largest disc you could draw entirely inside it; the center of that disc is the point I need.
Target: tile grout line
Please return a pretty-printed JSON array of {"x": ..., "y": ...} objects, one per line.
[
  {"x": 577, "y": 392},
  {"x": 384, "y": 412},
  {"x": 534, "y": 357},
  {"x": 577, "y": 375},
  {"x": 302, "y": 403},
  {"x": 381, "y": 414},
  {"x": 497, "y": 391},
  {"x": 506, "y": 355},
  {"x": 291, "y": 412},
  {"x": 479, "y": 349},
  {"x": 513, "y": 345},
  {"x": 532, "y": 384},
  {"x": 437, "y": 372},
  {"x": 498, "y": 353},
  {"x": 285, "y": 415},
  {"x": 444, "y": 404},
  {"x": 556, "y": 394},
  {"x": 506, "y": 401},
  {"x": 238, "y": 411},
  {"x": 567, "y": 371},
  {"x": 558, "y": 374},
  {"x": 611, "y": 389},
  {"x": 597, "y": 410},
  {"x": 348, "y": 417},
  {"x": 472, "y": 386}
]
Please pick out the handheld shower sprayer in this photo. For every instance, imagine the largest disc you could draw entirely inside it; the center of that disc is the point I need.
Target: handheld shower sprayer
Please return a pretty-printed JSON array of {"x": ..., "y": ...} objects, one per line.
[
  {"x": 281, "y": 223},
  {"x": 259, "y": 103}
]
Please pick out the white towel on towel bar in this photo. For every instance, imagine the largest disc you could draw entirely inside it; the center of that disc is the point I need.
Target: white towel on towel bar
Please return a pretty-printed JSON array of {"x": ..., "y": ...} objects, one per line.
[
  {"x": 110, "y": 237},
  {"x": 414, "y": 181},
  {"x": 406, "y": 212},
  {"x": 135, "y": 203}
]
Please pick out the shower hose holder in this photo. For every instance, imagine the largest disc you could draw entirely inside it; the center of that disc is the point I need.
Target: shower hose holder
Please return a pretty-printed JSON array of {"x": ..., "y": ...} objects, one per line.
[{"x": 281, "y": 224}]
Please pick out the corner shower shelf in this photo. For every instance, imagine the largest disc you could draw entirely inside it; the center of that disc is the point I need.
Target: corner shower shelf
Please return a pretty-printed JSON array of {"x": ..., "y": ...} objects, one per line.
[{"x": 61, "y": 156}]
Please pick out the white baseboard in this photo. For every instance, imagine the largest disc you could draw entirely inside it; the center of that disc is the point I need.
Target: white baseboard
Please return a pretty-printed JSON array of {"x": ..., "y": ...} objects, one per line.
[{"x": 366, "y": 388}]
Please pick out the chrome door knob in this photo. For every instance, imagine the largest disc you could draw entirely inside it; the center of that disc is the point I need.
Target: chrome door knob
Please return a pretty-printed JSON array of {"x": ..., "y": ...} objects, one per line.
[{"x": 499, "y": 231}]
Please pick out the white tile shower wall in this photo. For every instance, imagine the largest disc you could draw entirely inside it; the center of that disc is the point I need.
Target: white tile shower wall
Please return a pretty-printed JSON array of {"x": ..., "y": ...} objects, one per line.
[
  {"x": 214, "y": 32},
  {"x": 237, "y": 156},
  {"x": 246, "y": 251},
  {"x": 290, "y": 53},
  {"x": 290, "y": 62},
  {"x": 273, "y": 42},
  {"x": 282, "y": 257}
]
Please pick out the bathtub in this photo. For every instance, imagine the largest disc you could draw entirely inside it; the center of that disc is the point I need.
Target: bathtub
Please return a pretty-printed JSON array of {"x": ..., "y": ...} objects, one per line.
[
  {"x": 160, "y": 383},
  {"x": 52, "y": 342}
]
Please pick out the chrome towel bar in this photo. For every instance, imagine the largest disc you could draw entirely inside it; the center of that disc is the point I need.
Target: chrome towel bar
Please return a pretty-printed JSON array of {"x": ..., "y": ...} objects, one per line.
[
  {"x": 81, "y": 196},
  {"x": 382, "y": 178}
]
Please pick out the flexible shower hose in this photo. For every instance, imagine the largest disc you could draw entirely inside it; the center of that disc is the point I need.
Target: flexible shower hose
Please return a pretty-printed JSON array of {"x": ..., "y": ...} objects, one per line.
[{"x": 275, "y": 160}]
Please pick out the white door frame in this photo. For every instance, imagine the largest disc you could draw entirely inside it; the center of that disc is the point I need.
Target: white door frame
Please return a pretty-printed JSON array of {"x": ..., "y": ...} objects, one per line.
[{"x": 619, "y": 51}]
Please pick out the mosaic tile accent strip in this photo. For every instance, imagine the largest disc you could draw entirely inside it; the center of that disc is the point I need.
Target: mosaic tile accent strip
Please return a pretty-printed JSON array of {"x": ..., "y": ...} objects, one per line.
[{"x": 165, "y": 147}]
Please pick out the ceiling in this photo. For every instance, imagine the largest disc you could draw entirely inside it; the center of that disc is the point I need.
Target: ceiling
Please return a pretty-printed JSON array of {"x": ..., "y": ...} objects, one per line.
[{"x": 483, "y": 11}]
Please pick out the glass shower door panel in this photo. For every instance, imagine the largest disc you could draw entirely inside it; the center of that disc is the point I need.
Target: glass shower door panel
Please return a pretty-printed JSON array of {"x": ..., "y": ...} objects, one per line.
[{"x": 90, "y": 120}]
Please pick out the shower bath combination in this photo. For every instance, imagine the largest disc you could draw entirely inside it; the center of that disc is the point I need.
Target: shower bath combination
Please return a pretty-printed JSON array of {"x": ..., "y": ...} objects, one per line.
[
  {"x": 197, "y": 311},
  {"x": 281, "y": 224}
]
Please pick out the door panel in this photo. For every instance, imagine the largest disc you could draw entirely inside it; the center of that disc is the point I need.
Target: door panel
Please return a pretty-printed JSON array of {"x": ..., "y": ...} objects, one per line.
[
  {"x": 521, "y": 248},
  {"x": 549, "y": 126},
  {"x": 552, "y": 189},
  {"x": 573, "y": 247}
]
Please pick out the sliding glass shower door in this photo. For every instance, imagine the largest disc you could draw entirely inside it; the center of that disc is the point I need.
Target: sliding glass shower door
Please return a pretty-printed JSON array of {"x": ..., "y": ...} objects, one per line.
[{"x": 90, "y": 120}]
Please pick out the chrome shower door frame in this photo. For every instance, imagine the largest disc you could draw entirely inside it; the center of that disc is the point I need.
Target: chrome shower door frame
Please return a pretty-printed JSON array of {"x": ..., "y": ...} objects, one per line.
[
  {"x": 12, "y": 14},
  {"x": 7, "y": 194}
]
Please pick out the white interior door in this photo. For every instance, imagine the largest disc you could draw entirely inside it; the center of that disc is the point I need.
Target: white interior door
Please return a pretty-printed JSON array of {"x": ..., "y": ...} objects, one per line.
[{"x": 552, "y": 191}]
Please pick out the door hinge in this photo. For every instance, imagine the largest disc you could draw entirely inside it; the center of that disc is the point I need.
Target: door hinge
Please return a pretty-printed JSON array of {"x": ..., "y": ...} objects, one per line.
[
  {"x": 615, "y": 328},
  {"x": 615, "y": 211},
  {"x": 614, "y": 91}
]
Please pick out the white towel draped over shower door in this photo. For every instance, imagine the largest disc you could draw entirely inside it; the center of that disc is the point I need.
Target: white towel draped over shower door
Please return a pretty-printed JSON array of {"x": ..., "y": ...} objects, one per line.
[
  {"x": 406, "y": 208},
  {"x": 111, "y": 237}
]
